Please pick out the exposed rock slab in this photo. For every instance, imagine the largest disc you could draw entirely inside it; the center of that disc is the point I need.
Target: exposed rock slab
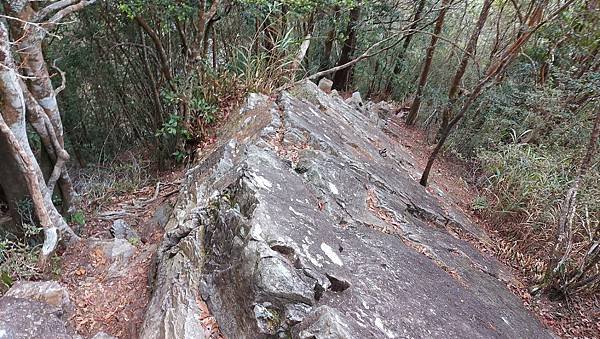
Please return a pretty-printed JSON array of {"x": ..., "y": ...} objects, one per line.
[
  {"x": 304, "y": 221},
  {"x": 24, "y": 319},
  {"x": 50, "y": 292}
]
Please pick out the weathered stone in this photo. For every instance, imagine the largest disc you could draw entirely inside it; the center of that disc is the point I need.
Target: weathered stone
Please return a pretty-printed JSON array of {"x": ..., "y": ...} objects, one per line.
[
  {"x": 319, "y": 235},
  {"x": 383, "y": 109},
  {"x": 103, "y": 335},
  {"x": 50, "y": 292},
  {"x": 118, "y": 252},
  {"x": 325, "y": 323},
  {"x": 356, "y": 101},
  {"x": 25, "y": 319},
  {"x": 157, "y": 223},
  {"x": 120, "y": 229},
  {"x": 325, "y": 85}
]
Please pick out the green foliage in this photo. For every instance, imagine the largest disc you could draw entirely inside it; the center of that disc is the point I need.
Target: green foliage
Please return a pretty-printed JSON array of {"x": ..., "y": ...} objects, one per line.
[
  {"x": 528, "y": 182},
  {"x": 171, "y": 9},
  {"x": 203, "y": 109},
  {"x": 78, "y": 218},
  {"x": 180, "y": 156},
  {"x": 174, "y": 128},
  {"x": 18, "y": 257},
  {"x": 480, "y": 203},
  {"x": 134, "y": 241}
]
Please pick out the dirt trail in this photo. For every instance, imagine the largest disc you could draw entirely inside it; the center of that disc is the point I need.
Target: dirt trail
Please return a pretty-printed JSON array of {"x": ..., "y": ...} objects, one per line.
[{"x": 104, "y": 300}]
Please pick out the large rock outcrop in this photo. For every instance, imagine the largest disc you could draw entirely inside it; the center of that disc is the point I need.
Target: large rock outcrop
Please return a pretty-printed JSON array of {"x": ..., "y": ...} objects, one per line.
[
  {"x": 305, "y": 222},
  {"x": 35, "y": 310}
]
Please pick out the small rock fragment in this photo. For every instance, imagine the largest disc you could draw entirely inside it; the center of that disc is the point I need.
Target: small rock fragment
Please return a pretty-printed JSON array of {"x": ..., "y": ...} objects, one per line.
[
  {"x": 325, "y": 85},
  {"x": 355, "y": 101},
  {"x": 103, "y": 335},
  {"x": 120, "y": 229}
]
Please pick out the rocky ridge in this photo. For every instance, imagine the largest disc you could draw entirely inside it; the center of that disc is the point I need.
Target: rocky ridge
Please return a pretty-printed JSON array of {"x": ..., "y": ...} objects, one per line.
[{"x": 305, "y": 221}]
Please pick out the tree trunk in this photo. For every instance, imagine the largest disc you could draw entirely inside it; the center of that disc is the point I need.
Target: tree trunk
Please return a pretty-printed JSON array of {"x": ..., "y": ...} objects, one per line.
[
  {"x": 564, "y": 228},
  {"x": 469, "y": 52},
  {"x": 19, "y": 155},
  {"x": 343, "y": 77},
  {"x": 406, "y": 44},
  {"x": 416, "y": 105},
  {"x": 495, "y": 69},
  {"x": 41, "y": 93}
]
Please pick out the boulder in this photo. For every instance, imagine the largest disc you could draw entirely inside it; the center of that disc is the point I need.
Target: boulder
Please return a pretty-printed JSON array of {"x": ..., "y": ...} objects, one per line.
[
  {"x": 118, "y": 252},
  {"x": 24, "y": 319},
  {"x": 50, "y": 292},
  {"x": 383, "y": 109},
  {"x": 321, "y": 236},
  {"x": 356, "y": 101},
  {"x": 103, "y": 335},
  {"x": 157, "y": 223}
]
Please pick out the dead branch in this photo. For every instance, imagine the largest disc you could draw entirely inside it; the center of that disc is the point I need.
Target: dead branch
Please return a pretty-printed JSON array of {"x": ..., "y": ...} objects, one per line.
[{"x": 63, "y": 83}]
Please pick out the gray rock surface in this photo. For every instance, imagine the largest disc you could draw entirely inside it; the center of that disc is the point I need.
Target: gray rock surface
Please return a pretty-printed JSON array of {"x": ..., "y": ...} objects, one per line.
[
  {"x": 356, "y": 101},
  {"x": 50, "y": 292},
  {"x": 118, "y": 252},
  {"x": 296, "y": 223},
  {"x": 120, "y": 229},
  {"x": 103, "y": 335},
  {"x": 24, "y": 319}
]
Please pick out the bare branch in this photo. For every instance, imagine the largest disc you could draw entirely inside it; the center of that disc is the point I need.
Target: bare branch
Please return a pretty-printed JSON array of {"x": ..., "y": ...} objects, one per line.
[
  {"x": 63, "y": 84},
  {"x": 56, "y": 6},
  {"x": 56, "y": 18}
]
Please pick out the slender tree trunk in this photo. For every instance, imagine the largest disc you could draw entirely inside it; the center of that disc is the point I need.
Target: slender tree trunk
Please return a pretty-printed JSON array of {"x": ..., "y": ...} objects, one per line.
[
  {"x": 400, "y": 58},
  {"x": 343, "y": 77},
  {"x": 469, "y": 52},
  {"x": 328, "y": 44},
  {"x": 495, "y": 70},
  {"x": 416, "y": 105},
  {"x": 564, "y": 229}
]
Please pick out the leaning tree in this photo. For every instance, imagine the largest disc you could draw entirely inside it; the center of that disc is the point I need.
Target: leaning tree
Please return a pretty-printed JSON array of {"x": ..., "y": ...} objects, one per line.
[{"x": 29, "y": 104}]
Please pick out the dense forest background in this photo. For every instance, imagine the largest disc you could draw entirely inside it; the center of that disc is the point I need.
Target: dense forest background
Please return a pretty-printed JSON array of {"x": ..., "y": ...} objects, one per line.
[{"x": 510, "y": 87}]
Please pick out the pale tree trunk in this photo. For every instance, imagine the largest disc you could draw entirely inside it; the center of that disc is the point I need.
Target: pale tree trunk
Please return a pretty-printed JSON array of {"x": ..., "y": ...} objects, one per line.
[
  {"x": 563, "y": 243},
  {"x": 299, "y": 57},
  {"x": 20, "y": 156},
  {"x": 40, "y": 95},
  {"x": 411, "y": 118},
  {"x": 469, "y": 52}
]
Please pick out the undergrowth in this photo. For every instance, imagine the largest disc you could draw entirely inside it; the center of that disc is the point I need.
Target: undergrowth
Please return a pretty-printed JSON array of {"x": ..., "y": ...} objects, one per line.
[
  {"x": 19, "y": 258},
  {"x": 525, "y": 187}
]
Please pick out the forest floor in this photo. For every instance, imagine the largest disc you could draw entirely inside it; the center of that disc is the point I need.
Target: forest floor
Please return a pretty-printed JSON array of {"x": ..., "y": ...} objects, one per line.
[
  {"x": 112, "y": 301},
  {"x": 577, "y": 317},
  {"x": 116, "y": 305}
]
